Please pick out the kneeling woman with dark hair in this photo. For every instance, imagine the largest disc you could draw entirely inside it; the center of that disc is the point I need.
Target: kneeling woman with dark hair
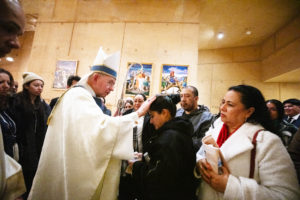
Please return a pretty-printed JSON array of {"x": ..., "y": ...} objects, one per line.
[{"x": 166, "y": 171}]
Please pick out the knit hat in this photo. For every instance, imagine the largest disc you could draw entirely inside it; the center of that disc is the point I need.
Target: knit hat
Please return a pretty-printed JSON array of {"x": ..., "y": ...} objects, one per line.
[
  {"x": 30, "y": 76},
  {"x": 107, "y": 64}
]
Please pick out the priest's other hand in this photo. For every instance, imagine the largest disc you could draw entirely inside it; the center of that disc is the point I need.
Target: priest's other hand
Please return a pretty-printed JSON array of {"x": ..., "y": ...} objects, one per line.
[
  {"x": 145, "y": 106},
  {"x": 137, "y": 157}
]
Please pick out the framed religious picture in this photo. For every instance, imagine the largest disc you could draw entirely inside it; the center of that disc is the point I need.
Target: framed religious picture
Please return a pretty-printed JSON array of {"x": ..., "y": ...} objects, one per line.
[
  {"x": 64, "y": 69},
  {"x": 173, "y": 78},
  {"x": 138, "y": 78}
]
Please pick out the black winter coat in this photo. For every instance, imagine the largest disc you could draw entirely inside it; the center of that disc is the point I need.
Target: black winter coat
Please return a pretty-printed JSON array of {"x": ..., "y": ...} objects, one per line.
[
  {"x": 31, "y": 123},
  {"x": 169, "y": 172}
]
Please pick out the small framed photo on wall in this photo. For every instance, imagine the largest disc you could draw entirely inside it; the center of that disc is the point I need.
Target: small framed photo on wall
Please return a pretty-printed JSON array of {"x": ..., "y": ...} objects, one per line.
[
  {"x": 173, "y": 78},
  {"x": 138, "y": 78},
  {"x": 64, "y": 69}
]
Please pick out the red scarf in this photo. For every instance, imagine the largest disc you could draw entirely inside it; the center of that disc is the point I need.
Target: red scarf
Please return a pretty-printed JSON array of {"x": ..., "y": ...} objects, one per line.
[{"x": 224, "y": 134}]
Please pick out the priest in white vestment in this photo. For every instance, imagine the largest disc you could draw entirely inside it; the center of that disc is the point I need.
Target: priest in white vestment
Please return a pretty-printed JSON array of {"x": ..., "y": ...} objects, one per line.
[{"x": 83, "y": 147}]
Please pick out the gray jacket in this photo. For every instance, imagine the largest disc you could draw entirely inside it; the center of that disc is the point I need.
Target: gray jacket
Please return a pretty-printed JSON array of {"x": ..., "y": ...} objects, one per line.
[{"x": 201, "y": 120}]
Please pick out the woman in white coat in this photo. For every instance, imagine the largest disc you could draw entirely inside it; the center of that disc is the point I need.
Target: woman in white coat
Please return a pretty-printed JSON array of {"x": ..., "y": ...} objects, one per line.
[{"x": 243, "y": 113}]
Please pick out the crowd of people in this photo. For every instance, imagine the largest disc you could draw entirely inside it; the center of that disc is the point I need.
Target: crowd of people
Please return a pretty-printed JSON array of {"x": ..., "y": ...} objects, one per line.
[{"x": 149, "y": 150}]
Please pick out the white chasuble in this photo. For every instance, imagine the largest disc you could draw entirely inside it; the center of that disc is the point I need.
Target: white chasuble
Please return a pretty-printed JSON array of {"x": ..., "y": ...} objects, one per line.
[
  {"x": 12, "y": 183},
  {"x": 82, "y": 151}
]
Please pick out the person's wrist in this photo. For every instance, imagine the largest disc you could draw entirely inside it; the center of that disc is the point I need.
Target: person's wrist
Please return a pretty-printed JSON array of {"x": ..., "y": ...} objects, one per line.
[{"x": 138, "y": 112}]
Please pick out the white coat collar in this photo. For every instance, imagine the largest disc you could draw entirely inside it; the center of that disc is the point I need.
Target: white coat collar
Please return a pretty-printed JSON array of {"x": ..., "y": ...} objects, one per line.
[{"x": 238, "y": 142}]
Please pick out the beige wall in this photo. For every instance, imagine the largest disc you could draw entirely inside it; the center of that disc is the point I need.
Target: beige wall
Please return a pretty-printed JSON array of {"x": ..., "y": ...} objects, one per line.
[
  {"x": 281, "y": 54},
  {"x": 273, "y": 67},
  {"x": 74, "y": 30},
  {"x": 21, "y": 57},
  {"x": 155, "y": 43},
  {"x": 221, "y": 68}
]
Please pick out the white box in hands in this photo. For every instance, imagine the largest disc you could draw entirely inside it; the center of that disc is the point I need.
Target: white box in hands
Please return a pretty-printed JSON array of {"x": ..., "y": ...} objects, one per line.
[{"x": 213, "y": 154}]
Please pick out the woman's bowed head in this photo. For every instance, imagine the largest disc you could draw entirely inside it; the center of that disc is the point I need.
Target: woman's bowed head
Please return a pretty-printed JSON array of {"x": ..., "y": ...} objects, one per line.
[{"x": 161, "y": 111}]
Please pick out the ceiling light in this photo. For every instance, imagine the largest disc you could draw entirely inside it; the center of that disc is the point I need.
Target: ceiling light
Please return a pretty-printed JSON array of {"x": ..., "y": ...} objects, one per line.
[
  {"x": 220, "y": 35},
  {"x": 248, "y": 32},
  {"x": 10, "y": 59},
  {"x": 33, "y": 20}
]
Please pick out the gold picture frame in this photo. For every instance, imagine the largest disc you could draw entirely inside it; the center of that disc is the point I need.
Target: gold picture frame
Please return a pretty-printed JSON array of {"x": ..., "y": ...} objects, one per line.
[
  {"x": 173, "y": 78},
  {"x": 64, "y": 69},
  {"x": 138, "y": 79}
]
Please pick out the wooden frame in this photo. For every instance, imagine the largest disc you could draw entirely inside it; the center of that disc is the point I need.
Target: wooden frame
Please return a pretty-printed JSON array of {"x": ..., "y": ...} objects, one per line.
[
  {"x": 173, "y": 78},
  {"x": 138, "y": 78},
  {"x": 64, "y": 69}
]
